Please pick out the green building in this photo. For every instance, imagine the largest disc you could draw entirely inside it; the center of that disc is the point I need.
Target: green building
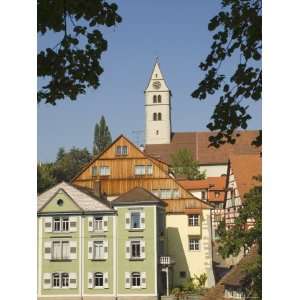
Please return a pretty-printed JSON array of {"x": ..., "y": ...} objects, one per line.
[{"x": 89, "y": 248}]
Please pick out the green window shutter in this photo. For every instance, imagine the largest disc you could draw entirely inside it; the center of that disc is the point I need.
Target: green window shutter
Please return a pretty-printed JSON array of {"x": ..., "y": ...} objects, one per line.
[
  {"x": 91, "y": 280},
  {"x": 127, "y": 249},
  {"x": 48, "y": 250},
  {"x": 127, "y": 221},
  {"x": 73, "y": 249},
  {"x": 105, "y": 223},
  {"x": 73, "y": 224},
  {"x": 46, "y": 281},
  {"x": 127, "y": 280},
  {"x": 105, "y": 278},
  {"x": 143, "y": 249},
  {"x": 73, "y": 280},
  {"x": 91, "y": 223},
  {"x": 143, "y": 220},
  {"x": 48, "y": 224},
  {"x": 90, "y": 249},
  {"x": 105, "y": 244},
  {"x": 143, "y": 280}
]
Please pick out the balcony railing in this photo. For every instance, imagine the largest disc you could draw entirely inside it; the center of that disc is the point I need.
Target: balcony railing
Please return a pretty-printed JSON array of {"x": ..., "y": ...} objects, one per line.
[{"x": 166, "y": 260}]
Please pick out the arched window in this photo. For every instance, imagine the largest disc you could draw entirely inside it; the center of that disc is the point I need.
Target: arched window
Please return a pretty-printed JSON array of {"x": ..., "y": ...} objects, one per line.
[
  {"x": 159, "y": 116},
  {"x": 55, "y": 280},
  {"x": 64, "y": 279},
  {"x": 98, "y": 279},
  {"x": 159, "y": 99},
  {"x": 154, "y": 99},
  {"x": 155, "y": 117}
]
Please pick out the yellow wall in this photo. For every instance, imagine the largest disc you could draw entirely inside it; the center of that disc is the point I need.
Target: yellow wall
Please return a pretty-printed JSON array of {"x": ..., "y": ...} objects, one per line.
[{"x": 192, "y": 262}]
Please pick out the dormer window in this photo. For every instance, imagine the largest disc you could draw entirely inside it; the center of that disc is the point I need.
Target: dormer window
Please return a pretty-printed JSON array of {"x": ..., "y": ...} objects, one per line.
[{"x": 122, "y": 150}]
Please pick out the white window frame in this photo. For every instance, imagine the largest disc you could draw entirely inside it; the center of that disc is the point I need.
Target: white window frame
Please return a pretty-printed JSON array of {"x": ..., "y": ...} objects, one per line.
[
  {"x": 139, "y": 170},
  {"x": 56, "y": 279},
  {"x": 140, "y": 220},
  {"x": 94, "y": 171},
  {"x": 56, "y": 223},
  {"x": 100, "y": 244},
  {"x": 98, "y": 223},
  {"x": 62, "y": 222},
  {"x": 122, "y": 150},
  {"x": 104, "y": 170},
  {"x": 61, "y": 250},
  {"x": 194, "y": 242},
  {"x": 65, "y": 283},
  {"x": 135, "y": 276},
  {"x": 94, "y": 279},
  {"x": 193, "y": 220},
  {"x": 135, "y": 243}
]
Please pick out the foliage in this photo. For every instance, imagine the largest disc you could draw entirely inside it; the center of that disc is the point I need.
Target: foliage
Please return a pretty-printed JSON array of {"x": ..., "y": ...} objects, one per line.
[
  {"x": 233, "y": 240},
  {"x": 73, "y": 64},
  {"x": 102, "y": 136},
  {"x": 45, "y": 178},
  {"x": 66, "y": 166},
  {"x": 237, "y": 37},
  {"x": 184, "y": 165},
  {"x": 193, "y": 285}
]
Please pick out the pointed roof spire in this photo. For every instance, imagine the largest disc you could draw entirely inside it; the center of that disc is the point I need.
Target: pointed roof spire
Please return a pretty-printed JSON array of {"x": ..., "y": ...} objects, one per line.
[{"x": 157, "y": 75}]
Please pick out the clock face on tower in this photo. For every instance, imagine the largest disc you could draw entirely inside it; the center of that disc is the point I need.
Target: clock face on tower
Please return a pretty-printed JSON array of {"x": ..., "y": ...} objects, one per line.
[{"x": 156, "y": 85}]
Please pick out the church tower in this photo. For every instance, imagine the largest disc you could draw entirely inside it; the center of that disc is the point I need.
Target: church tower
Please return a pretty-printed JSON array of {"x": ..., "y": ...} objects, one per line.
[{"x": 157, "y": 109}]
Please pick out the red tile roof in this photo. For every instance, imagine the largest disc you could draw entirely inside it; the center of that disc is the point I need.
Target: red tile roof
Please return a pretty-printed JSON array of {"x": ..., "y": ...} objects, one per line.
[
  {"x": 244, "y": 168},
  {"x": 212, "y": 183},
  {"x": 198, "y": 143}
]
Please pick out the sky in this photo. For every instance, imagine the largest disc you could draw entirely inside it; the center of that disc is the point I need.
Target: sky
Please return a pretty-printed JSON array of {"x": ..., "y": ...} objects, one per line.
[{"x": 175, "y": 31}]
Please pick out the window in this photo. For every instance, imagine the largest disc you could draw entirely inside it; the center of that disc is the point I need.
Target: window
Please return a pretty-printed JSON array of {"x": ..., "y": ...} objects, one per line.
[
  {"x": 135, "y": 220},
  {"x": 56, "y": 254},
  {"x": 157, "y": 132},
  {"x": 98, "y": 249},
  {"x": 203, "y": 195},
  {"x": 135, "y": 279},
  {"x": 182, "y": 274},
  {"x": 194, "y": 244},
  {"x": 60, "y": 250},
  {"x": 104, "y": 171},
  {"x": 159, "y": 99},
  {"x": 159, "y": 116},
  {"x": 64, "y": 279},
  {"x": 65, "y": 224},
  {"x": 154, "y": 99},
  {"x": 154, "y": 116},
  {"x": 55, "y": 280},
  {"x": 217, "y": 194},
  {"x": 167, "y": 193},
  {"x": 193, "y": 220},
  {"x": 122, "y": 150},
  {"x": 94, "y": 171},
  {"x": 135, "y": 249},
  {"x": 98, "y": 224},
  {"x": 98, "y": 279},
  {"x": 143, "y": 170},
  {"x": 60, "y": 202},
  {"x": 56, "y": 224}
]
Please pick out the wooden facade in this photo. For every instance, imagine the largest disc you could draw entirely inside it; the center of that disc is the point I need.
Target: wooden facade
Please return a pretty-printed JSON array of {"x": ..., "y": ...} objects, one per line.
[{"x": 122, "y": 176}]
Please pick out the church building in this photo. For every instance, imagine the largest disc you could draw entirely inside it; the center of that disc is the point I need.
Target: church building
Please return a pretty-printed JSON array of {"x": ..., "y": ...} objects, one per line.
[{"x": 161, "y": 142}]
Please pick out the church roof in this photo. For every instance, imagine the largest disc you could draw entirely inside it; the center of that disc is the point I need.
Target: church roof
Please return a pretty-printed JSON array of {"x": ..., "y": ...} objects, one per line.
[{"x": 198, "y": 143}]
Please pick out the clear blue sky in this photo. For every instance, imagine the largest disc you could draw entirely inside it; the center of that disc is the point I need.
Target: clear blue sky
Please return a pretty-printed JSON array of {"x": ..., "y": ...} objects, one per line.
[{"x": 174, "y": 30}]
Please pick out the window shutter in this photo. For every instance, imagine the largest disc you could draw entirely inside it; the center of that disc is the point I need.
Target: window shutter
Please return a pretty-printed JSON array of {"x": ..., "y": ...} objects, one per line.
[
  {"x": 46, "y": 281},
  {"x": 73, "y": 250},
  {"x": 48, "y": 250},
  {"x": 105, "y": 223},
  {"x": 73, "y": 224},
  {"x": 91, "y": 223},
  {"x": 90, "y": 249},
  {"x": 143, "y": 277},
  {"x": 105, "y": 277},
  {"x": 127, "y": 249},
  {"x": 73, "y": 280},
  {"x": 127, "y": 220},
  {"x": 105, "y": 244},
  {"x": 143, "y": 220},
  {"x": 127, "y": 280},
  {"x": 143, "y": 249},
  {"x": 48, "y": 224},
  {"x": 91, "y": 280}
]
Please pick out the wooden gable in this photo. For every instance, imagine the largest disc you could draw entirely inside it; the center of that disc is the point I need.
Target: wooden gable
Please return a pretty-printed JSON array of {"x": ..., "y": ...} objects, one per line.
[{"x": 122, "y": 177}]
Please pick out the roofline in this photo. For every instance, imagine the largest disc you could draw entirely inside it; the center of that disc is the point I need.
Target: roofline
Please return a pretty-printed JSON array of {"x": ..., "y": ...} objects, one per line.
[
  {"x": 144, "y": 203},
  {"x": 87, "y": 212}
]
